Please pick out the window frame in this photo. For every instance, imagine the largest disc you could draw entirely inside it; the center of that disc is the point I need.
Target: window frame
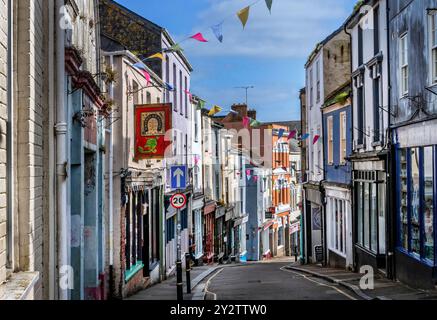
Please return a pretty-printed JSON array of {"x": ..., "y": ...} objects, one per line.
[
  {"x": 343, "y": 137},
  {"x": 432, "y": 37},
  {"x": 404, "y": 64},
  {"x": 330, "y": 128}
]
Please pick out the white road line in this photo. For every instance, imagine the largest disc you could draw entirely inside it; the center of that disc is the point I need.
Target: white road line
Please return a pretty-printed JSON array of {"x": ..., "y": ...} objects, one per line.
[
  {"x": 208, "y": 282},
  {"x": 319, "y": 283}
]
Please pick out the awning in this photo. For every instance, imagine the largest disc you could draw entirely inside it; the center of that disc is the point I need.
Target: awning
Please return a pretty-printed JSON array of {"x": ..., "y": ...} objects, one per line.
[{"x": 266, "y": 225}]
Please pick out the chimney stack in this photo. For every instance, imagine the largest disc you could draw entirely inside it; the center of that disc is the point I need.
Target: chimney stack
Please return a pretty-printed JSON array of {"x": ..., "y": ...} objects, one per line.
[
  {"x": 241, "y": 109},
  {"x": 252, "y": 114}
]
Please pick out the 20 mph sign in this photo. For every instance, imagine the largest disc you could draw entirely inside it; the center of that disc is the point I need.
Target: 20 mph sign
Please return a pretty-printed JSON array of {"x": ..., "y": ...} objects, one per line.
[{"x": 178, "y": 201}]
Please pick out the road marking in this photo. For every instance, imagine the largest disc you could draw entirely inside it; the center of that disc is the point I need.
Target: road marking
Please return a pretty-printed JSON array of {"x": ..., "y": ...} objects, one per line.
[
  {"x": 209, "y": 281},
  {"x": 319, "y": 283}
]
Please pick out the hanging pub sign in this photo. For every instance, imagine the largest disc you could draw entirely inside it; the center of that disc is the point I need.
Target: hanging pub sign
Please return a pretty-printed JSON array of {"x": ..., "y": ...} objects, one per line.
[{"x": 152, "y": 121}]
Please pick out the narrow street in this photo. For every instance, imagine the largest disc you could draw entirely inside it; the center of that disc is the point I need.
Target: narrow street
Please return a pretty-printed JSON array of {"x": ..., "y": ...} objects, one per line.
[{"x": 270, "y": 281}]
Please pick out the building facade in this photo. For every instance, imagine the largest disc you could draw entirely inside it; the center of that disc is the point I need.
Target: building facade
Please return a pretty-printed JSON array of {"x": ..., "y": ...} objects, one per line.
[
  {"x": 413, "y": 79},
  {"x": 337, "y": 119},
  {"x": 370, "y": 83},
  {"x": 330, "y": 60}
]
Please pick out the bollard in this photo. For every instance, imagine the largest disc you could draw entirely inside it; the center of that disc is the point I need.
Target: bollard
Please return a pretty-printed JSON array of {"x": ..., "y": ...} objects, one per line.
[{"x": 188, "y": 271}]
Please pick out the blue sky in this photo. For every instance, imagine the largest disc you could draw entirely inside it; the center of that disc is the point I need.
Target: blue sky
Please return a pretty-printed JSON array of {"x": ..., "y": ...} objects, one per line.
[{"x": 269, "y": 54}]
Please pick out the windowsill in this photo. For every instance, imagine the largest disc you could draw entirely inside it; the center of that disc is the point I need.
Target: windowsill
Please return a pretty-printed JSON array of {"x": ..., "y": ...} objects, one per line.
[
  {"x": 359, "y": 147},
  {"x": 129, "y": 274},
  {"x": 19, "y": 286},
  {"x": 366, "y": 250}
]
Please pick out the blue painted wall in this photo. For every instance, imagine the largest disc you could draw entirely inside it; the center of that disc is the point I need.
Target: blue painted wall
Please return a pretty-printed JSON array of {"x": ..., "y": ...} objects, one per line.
[
  {"x": 336, "y": 172},
  {"x": 252, "y": 244}
]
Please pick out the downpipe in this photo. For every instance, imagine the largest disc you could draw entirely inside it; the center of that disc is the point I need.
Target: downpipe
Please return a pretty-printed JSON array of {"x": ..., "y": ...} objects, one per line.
[{"x": 61, "y": 128}]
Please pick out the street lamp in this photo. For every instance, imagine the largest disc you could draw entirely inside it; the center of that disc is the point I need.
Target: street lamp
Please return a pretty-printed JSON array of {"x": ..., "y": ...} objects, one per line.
[{"x": 247, "y": 89}]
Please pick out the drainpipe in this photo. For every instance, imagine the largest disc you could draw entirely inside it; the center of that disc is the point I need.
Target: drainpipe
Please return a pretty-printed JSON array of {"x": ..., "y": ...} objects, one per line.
[
  {"x": 61, "y": 128},
  {"x": 111, "y": 177},
  {"x": 353, "y": 132},
  {"x": 10, "y": 139},
  {"x": 52, "y": 177}
]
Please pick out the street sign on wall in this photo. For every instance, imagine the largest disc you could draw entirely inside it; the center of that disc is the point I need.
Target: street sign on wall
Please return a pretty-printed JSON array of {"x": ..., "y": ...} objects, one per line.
[{"x": 178, "y": 177}]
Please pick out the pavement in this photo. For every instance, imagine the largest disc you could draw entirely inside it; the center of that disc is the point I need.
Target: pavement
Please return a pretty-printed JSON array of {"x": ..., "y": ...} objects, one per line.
[{"x": 384, "y": 289}]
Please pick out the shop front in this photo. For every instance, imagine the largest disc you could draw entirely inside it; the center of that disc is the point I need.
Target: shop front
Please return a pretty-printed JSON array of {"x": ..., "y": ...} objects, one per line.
[
  {"x": 196, "y": 234},
  {"x": 370, "y": 183},
  {"x": 339, "y": 226},
  {"x": 266, "y": 239},
  {"x": 209, "y": 231},
  {"x": 220, "y": 239},
  {"x": 313, "y": 224},
  {"x": 416, "y": 189}
]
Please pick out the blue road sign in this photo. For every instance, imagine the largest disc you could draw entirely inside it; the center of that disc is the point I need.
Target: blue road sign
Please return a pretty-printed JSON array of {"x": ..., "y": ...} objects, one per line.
[{"x": 178, "y": 177}]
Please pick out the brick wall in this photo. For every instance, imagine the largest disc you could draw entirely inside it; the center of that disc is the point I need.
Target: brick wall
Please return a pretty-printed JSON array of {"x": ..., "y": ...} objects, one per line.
[
  {"x": 3, "y": 119},
  {"x": 30, "y": 114}
]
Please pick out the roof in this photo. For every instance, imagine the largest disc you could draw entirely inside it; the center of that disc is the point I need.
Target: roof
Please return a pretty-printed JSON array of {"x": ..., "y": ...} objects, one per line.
[{"x": 356, "y": 14}]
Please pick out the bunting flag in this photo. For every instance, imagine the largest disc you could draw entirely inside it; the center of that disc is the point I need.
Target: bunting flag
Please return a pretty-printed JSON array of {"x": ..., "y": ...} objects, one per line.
[
  {"x": 292, "y": 134},
  {"x": 305, "y": 136},
  {"x": 255, "y": 123},
  {"x": 214, "y": 110},
  {"x": 246, "y": 122},
  {"x": 201, "y": 104},
  {"x": 175, "y": 48},
  {"x": 168, "y": 87},
  {"x": 199, "y": 37},
  {"x": 316, "y": 138},
  {"x": 218, "y": 31},
  {"x": 269, "y": 4},
  {"x": 189, "y": 94},
  {"x": 143, "y": 70},
  {"x": 196, "y": 159},
  {"x": 255, "y": 178},
  {"x": 243, "y": 15},
  {"x": 281, "y": 133},
  {"x": 156, "y": 56},
  {"x": 248, "y": 174}
]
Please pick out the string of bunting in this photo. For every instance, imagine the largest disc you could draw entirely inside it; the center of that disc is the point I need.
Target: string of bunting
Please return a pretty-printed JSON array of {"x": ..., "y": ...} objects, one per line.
[{"x": 217, "y": 30}]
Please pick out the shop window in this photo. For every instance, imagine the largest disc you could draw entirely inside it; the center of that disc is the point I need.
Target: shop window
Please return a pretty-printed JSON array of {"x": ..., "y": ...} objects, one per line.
[{"x": 417, "y": 187}]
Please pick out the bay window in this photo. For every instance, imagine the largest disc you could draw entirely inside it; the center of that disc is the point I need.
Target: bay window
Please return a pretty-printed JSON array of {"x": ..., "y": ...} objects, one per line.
[{"x": 416, "y": 201}]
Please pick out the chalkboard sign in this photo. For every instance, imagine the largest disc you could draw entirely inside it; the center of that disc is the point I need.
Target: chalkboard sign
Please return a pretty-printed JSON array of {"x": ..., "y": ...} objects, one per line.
[{"x": 318, "y": 250}]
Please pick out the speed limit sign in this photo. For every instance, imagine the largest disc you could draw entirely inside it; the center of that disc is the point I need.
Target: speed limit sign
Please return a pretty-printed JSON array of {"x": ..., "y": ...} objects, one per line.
[{"x": 178, "y": 200}]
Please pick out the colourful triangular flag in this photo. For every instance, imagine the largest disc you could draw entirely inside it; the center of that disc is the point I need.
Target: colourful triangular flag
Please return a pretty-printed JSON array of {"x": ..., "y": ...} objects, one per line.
[
  {"x": 174, "y": 48},
  {"x": 199, "y": 37},
  {"x": 157, "y": 56},
  {"x": 214, "y": 110},
  {"x": 201, "y": 104},
  {"x": 255, "y": 178},
  {"x": 255, "y": 123},
  {"x": 169, "y": 87},
  {"x": 218, "y": 31},
  {"x": 305, "y": 136},
  {"x": 188, "y": 93},
  {"x": 281, "y": 133},
  {"x": 243, "y": 15},
  {"x": 316, "y": 138},
  {"x": 269, "y": 4},
  {"x": 246, "y": 122},
  {"x": 292, "y": 134}
]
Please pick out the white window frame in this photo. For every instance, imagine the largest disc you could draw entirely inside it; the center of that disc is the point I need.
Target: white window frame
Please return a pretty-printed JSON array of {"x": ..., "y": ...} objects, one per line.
[
  {"x": 343, "y": 137},
  {"x": 403, "y": 64},
  {"x": 330, "y": 125},
  {"x": 311, "y": 79},
  {"x": 432, "y": 36},
  {"x": 337, "y": 234},
  {"x": 318, "y": 82}
]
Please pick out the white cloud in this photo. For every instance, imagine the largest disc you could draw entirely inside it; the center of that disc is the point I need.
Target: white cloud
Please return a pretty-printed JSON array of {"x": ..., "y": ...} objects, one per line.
[{"x": 292, "y": 30}]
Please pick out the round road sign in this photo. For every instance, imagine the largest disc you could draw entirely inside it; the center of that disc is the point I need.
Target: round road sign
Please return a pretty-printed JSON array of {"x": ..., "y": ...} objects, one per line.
[{"x": 178, "y": 201}]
